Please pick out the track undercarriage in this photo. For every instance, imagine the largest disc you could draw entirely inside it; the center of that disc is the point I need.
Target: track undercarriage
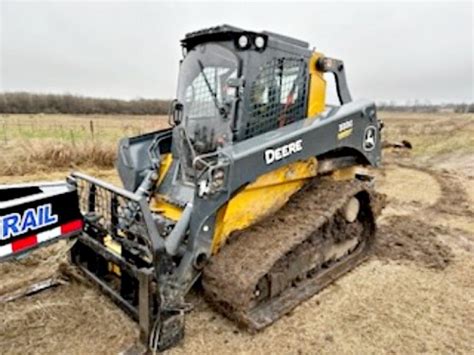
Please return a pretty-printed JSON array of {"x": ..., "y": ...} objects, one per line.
[{"x": 324, "y": 231}]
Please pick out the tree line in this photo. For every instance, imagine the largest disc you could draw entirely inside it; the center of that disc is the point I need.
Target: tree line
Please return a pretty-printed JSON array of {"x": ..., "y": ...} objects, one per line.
[
  {"x": 426, "y": 107},
  {"x": 28, "y": 103}
]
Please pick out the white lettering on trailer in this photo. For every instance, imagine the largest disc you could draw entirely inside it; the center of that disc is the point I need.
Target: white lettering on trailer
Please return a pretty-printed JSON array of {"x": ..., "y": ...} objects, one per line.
[
  {"x": 14, "y": 224},
  {"x": 272, "y": 155}
]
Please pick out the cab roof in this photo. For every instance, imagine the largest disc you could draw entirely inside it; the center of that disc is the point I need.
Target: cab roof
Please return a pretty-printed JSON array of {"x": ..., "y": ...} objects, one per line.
[{"x": 228, "y": 32}]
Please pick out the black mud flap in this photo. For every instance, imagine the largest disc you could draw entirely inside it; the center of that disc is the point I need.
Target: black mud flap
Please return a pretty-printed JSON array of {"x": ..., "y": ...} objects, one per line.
[{"x": 36, "y": 215}]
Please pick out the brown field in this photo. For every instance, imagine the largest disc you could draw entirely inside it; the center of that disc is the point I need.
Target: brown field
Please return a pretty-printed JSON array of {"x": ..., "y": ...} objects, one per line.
[
  {"x": 44, "y": 143},
  {"x": 414, "y": 295}
]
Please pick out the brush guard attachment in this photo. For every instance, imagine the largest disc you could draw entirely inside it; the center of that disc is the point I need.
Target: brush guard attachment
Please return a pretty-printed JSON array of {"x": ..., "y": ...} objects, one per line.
[{"x": 122, "y": 252}]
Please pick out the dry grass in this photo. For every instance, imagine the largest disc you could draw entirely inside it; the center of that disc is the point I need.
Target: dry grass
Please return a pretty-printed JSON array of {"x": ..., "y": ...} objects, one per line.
[
  {"x": 35, "y": 143},
  {"x": 47, "y": 156},
  {"x": 40, "y": 265},
  {"x": 45, "y": 143},
  {"x": 432, "y": 135},
  {"x": 75, "y": 127},
  {"x": 72, "y": 319}
]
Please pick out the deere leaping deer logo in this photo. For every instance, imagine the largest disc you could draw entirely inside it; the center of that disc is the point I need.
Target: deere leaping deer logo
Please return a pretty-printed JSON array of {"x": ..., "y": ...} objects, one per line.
[{"x": 370, "y": 138}]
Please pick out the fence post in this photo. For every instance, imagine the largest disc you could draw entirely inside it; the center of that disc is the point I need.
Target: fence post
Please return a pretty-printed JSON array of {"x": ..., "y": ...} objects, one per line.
[{"x": 91, "y": 127}]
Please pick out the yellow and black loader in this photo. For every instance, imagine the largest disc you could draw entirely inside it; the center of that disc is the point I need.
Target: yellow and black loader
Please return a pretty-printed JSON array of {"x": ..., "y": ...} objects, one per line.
[{"x": 256, "y": 190}]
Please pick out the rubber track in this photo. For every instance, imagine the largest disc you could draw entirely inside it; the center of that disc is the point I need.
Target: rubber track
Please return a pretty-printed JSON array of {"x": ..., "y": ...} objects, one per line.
[{"x": 232, "y": 276}]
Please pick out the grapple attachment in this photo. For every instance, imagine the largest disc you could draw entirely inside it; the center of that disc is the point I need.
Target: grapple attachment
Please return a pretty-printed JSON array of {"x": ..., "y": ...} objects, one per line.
[{"x": 122, "y": 252}]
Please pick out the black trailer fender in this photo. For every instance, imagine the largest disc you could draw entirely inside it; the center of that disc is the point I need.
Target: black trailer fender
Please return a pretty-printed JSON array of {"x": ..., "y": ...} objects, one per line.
[{"x": 36, "y": 215}]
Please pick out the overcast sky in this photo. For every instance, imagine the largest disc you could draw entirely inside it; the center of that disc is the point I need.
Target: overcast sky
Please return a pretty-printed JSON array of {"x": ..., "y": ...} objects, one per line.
[{"x": 393, "y": 51}]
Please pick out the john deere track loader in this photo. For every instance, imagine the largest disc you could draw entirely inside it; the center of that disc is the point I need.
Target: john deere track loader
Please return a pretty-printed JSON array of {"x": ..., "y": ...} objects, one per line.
[{"x": 255, "y": 190}]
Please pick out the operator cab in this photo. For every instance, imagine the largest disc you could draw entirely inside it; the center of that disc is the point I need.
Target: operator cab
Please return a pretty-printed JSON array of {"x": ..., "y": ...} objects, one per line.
[{"x": 234, "y": 85}]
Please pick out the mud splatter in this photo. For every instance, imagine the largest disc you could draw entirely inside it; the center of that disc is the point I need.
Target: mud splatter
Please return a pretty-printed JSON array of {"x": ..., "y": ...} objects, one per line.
[
  {"x": 454, "y": 199},
  {"x": 406, "y": 238}
]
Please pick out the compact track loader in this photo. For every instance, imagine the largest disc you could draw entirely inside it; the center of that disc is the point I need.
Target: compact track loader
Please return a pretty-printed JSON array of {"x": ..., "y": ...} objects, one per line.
[{"x": 255, "y": 190}]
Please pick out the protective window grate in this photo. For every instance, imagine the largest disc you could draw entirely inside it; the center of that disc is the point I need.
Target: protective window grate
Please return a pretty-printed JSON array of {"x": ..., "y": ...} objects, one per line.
[
  {"x": 277, "y": 96},
  {"x": 206, "y": 91},
  {"x": 199, "y": 96}
]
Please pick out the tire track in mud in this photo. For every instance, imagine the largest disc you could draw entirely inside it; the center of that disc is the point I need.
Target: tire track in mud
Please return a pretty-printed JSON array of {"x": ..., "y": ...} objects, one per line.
[
  {"x": 418, "y": 237},
  {"x": 408, "y": 239},
  {"x": 454, "y": 199}
]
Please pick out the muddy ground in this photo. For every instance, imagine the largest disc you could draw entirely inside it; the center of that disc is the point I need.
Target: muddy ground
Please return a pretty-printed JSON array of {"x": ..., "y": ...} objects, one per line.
[{"x": 415, "y": 294}]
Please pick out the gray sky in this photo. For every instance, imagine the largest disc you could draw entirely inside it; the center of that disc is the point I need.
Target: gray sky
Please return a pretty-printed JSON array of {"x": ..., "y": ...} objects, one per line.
[{"x": 393, "y": 51}]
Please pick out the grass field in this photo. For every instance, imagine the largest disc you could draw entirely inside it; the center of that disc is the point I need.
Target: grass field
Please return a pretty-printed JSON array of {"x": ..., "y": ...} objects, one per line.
[
  {"x": 414, "y": 295},
  {"x": 432, "y": 134},
  {"x": 46, "y": 142}
]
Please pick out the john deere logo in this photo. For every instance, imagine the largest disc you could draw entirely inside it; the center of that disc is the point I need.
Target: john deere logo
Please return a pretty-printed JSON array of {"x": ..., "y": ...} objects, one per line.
[{"x": 370, "y": 138}]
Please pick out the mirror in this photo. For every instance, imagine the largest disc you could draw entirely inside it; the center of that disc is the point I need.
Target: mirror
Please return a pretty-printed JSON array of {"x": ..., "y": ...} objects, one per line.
[{"x": 177, "y": 112}]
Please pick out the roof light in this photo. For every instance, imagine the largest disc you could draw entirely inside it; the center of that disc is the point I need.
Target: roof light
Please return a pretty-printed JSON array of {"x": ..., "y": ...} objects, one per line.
[
  {"x": 243, "y": 42},
  {"x": 259, "y": 42}
]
